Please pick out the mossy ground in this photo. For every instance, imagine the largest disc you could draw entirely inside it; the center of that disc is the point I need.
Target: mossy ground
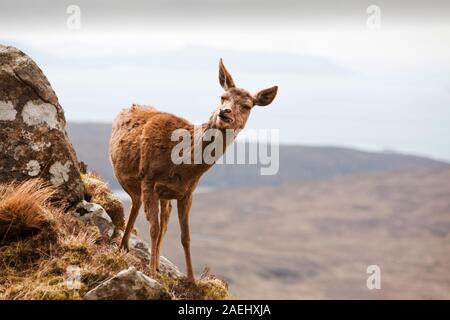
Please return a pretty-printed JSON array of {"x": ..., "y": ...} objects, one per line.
[
  {"x": 208, "y": 287},
  {"x": 39, "y": 243}
]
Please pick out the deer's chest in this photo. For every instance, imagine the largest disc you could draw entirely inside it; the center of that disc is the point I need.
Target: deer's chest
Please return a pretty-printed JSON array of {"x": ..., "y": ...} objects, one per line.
[
  {"x": 167, "y": 191},
  {"x": 175, "y": 187}
]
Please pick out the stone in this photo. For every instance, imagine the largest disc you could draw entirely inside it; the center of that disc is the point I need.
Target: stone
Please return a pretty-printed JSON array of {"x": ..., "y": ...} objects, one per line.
[
  {"x": 94, "y": 214},
  {"x": 129, "y": 284},
  {"x": 141, "y": 249},
  {"x": 33, "y": 138}
]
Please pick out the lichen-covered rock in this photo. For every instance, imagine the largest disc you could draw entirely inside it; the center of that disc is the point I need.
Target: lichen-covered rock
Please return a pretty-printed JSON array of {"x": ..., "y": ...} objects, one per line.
[
  {"x": 94, "y": 214},
  {"x": 128, "y": 284},
  {"x": 33, "y": 139}
]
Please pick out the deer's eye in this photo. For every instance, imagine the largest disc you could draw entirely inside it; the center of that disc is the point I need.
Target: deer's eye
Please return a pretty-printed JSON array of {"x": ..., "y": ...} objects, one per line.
[
  {"x": 223, "y": 99},
  {"x": 246, "y": 107}
]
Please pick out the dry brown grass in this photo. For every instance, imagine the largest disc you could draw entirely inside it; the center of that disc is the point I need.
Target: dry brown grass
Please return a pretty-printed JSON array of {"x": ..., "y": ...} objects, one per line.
[
  {"x": 96, "y": 190},
  {"x": 40, "y": 242},
  {"x": 23, "y": 209}
]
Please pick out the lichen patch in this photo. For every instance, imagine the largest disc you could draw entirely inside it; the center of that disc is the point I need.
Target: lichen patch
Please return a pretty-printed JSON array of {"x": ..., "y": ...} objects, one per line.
[
  {"x": 60, "y": 173},
  {"x": 33, "y": 168},
  {"x": 36, "y": 113},
  {"x": 39, "y": 146},
  {"x": 7, "y": 111}
]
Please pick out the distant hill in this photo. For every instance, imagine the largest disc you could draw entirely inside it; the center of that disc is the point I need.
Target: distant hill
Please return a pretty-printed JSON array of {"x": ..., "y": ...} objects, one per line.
[
  {"x": 315, "y": 240},
  {"x": 297, "y": 163}
]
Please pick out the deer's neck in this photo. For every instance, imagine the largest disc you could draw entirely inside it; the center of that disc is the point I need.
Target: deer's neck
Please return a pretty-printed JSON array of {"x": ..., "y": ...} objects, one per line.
[{"x": 211, "y": 143}]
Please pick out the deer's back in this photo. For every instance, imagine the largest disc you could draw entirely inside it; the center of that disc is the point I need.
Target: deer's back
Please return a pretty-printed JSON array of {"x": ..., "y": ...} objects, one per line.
[{"x": 142, "y": 127}]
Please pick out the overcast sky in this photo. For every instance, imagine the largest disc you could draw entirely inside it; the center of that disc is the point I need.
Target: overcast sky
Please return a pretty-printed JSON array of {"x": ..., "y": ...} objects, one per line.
[{"x": 341, "y": 82}]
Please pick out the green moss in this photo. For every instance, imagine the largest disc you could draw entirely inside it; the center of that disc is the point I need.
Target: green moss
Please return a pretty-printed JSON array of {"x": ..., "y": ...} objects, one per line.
[
  {"x": 209, "y": 288},
  {"x": 167, "y": 281},
  {"x": 57, "y": 289},
  {"x": 45, "y": 288},
  {"x": 213, "y": 289}
]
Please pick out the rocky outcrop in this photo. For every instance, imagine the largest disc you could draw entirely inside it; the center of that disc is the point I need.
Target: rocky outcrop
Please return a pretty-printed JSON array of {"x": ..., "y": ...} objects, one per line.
[
  {"x": 129, "y": 284},
  {"x": 33, "y": 139}
]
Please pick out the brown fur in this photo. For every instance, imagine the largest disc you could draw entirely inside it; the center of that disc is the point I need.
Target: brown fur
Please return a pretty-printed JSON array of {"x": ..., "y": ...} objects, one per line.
[{"x": 140, "y": 151}]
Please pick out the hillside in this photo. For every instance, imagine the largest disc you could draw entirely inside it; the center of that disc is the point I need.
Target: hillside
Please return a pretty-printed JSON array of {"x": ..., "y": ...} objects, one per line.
[
  {"x": 60, "y": 225},
  {"x": 315, "y": 240},
  {"x": 297, "y": 163}
]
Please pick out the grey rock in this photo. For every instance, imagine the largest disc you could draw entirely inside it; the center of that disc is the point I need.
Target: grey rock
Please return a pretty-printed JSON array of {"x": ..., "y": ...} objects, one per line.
[
  {"x": 128, "y": 284},
  {"x": 168, "y": 268},
  {"x": 94, "y": 214},
  {"x": 33, "y": 138},
  {"x": 141, "y": 249}
]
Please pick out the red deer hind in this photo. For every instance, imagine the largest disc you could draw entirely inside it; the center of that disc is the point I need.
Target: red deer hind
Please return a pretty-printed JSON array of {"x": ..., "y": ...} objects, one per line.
[{"x": 140, "y": 152}]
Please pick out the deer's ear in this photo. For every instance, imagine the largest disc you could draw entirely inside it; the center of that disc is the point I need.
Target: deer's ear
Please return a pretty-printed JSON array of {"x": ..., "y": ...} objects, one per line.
[
  {"x": 225, "y": 79},
  {"x": 266, "y": 96}
]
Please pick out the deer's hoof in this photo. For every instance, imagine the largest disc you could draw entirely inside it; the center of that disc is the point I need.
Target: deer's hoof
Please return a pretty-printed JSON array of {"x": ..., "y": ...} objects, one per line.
[
  {"x": 124, "y": 246},
  {"x": 154, "y": 274}
]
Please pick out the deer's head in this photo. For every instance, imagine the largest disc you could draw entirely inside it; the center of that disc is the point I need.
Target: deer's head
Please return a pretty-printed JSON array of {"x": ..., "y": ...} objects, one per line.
[{"x": 237, "y": 103}]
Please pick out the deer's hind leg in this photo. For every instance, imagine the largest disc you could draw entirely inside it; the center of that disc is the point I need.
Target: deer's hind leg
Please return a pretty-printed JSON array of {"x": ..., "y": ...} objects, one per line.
[
  {"x": 135, "y": 206},
  {"x": 166, "y": 208}
]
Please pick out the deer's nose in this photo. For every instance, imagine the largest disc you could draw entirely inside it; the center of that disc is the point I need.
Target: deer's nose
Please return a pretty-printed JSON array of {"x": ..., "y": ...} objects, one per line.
[{"x": 224, "y": 111}]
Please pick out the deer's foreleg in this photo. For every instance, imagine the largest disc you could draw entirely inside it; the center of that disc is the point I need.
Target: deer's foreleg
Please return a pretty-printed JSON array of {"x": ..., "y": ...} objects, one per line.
[
  {"x": 150, "y": 199},
  {"x": 184, "y": 206}
]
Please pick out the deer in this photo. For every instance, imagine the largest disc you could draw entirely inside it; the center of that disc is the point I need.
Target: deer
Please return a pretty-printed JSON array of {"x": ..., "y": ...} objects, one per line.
[{"x": 140, "y": 153}]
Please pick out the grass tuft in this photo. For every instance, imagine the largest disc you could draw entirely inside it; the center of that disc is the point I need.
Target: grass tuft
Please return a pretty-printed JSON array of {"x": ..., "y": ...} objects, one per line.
[{"x": 23, "y": 209}]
